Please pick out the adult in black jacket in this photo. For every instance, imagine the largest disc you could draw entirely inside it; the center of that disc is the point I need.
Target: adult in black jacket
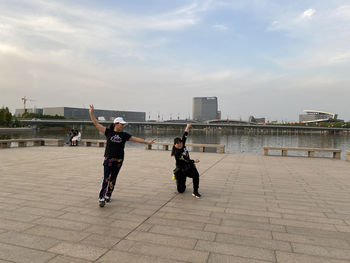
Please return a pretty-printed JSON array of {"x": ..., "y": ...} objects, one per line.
[
  {"x": 185, "y": 167},
  {"x": 114, "y": 153}
]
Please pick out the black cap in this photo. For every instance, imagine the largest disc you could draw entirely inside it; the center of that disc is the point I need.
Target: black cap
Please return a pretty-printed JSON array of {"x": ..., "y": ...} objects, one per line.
[{"x": 177, "y": 140}]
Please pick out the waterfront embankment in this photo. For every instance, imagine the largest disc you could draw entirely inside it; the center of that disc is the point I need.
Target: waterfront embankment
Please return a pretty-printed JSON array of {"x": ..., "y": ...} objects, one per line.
[{"x": 254, "y": 208}]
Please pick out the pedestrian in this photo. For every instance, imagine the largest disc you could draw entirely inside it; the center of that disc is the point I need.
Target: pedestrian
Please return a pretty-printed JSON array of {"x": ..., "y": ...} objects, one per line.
[
  {"x": 185, "y": 167},
  {"x": 114, "y": 153}
]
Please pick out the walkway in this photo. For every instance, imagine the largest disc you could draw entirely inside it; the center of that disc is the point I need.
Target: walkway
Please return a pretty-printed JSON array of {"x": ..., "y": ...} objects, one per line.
[{"x": 254, "y": 209}]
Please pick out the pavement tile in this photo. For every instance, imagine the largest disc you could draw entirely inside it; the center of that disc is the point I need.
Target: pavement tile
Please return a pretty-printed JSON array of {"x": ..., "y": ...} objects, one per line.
[
  {"x": 23, "y": 255},
  {"x": 40, "y": 211},
  {"x": 238, "y": 231},
  {"x": 253, "y": 213},
  {"x": 57, "y": 233},
  {"x": 78, "y": 250},
  {"x": 312, "y": 240},
  {"x": 246, "y": 218},
  {"x": 285, "y": 257},
  {"x": 321, "y": 220},
  {"x": 14, "y": 225},
  {"x": 173, "y": 253},
  {"x": 181, "y": 232},
  {"x": 236, "y": 250},
  {"x": 108, "y": 231},
  {"x": 298, "y": 223},
  {"x": 102, "y": 241},
  {"x": 126, "y": 257},
  {"x": 65, "y": 259},
  {"x": 220, "y": 258},
  {"x": 160, "y": 239},
  {"x": 88, "y": 219},
  {"x": 176, "y": 223},
  {"x": 253, "y": 225},
  {"x": 62, "y": 223},
  {"x": 26, "y": 240},
  {"x": 254, "y": 242},
  {"x": 182, "y": 210},
  {"x": 190, "y": 218},
  {"x": 335, "y": 253}
]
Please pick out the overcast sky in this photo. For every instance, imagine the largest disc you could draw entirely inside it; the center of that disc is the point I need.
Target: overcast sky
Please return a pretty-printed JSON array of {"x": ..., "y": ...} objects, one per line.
[{"x": 266, "y": 58}]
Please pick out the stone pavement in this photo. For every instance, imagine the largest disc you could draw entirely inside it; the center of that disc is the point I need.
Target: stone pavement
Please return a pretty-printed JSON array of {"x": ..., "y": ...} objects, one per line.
[{"x": 254, "y": 209}]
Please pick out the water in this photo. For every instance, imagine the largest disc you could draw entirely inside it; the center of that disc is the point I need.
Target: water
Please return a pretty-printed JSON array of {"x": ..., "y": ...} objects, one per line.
[{"x": 234, "y": 143}]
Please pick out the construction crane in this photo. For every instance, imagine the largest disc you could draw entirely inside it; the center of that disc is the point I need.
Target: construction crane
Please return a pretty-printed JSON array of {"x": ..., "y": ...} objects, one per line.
[{"x": 25, "y": 99}]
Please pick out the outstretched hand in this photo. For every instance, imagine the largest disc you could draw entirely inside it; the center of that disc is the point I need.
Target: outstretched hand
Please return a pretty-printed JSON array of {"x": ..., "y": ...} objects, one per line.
[{"x": 151, "y": 142}]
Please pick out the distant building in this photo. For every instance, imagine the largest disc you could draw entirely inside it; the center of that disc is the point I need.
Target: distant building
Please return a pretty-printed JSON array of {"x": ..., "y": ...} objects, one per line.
[
  {"x": 311, "y": 116},
  {"x": 19, "y": 112},
  {"x": 252, "y": 119},
  {"x": 83, "y": 114},
  {"x": 205, "y": 108}
]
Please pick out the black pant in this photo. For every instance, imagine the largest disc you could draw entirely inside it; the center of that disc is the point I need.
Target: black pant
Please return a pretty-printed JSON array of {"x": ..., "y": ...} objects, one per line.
[
  {"x": 181, "y": 179},
  {"x": 111, "y": 169}
]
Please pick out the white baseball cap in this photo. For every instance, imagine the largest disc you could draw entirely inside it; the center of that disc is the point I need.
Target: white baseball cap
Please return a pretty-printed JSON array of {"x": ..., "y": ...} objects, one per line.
[{"x": 119, "y": 120}]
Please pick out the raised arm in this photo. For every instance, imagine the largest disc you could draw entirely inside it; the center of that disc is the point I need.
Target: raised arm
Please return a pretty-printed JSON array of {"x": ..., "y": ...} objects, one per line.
[
  {"x": 188, "y": 126},
  {"x": 139, "y": 140},
  {"x": 100, "y": 127}
]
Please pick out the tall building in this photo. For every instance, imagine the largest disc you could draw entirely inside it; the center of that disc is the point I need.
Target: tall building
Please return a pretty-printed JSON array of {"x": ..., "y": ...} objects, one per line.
[{"x": 205, "y": 108}]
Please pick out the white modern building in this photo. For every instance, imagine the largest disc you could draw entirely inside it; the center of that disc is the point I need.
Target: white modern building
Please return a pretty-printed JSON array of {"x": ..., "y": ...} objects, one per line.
[{"x": 312, "y": 116}]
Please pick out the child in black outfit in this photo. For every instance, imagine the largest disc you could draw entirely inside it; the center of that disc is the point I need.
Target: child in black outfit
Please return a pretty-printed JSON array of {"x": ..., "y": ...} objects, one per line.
[{"x": 185, "y": 167}]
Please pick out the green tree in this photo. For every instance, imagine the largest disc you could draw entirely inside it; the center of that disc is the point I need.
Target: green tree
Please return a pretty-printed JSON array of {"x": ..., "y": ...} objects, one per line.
[{"x": 5, "y": 117}]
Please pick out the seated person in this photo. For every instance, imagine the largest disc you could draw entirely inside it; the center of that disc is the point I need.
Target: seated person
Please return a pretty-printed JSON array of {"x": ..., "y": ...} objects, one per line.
[{"x": 76, "y": 138}]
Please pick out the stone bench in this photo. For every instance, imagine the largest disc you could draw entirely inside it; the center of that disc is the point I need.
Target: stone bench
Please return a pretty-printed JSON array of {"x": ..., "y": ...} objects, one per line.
[
  {"x": 310, "y": 151},
  {"x": 202, "y": 147},
  {"x": 34, "y": 141},
  {"x": 347, "y": 155},
  {"x": 89, "y": 142}
]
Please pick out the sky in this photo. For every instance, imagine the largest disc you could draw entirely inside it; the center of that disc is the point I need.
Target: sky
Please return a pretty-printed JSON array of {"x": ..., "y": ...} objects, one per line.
[{"x": 266, "y": 58}]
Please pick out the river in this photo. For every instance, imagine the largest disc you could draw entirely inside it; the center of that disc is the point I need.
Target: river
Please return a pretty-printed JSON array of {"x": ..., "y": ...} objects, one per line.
[{"x": 234, "y": 143}]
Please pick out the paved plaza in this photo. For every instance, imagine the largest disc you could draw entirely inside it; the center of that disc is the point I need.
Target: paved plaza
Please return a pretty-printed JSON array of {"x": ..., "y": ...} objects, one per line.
[{"x": 253, "y": 209}]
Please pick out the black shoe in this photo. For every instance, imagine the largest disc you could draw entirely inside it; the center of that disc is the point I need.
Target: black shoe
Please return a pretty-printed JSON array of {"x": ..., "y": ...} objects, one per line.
[
  {"x": 108, "y": 199},
  {"x": 196, "y": 194},
  {"x": 102, "y": 202}
]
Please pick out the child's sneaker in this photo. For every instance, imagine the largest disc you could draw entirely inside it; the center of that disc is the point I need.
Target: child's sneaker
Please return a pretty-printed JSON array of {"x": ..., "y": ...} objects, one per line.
[
  {"x": 102, "y": 202},
  {"x": 196, "y": 194},
  {"x": 108, "y": 199}
]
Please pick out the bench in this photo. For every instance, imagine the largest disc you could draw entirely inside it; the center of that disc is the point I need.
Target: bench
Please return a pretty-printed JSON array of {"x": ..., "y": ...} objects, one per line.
[
  {"x": 202, "y": 147},
  {"x": 57, "y": 142},
  {"x": 34, "y": 141},
  {"x": 347, "y": 155},
  {"x": 310, "y": 151},
  {"x": 89, "y": 142}
]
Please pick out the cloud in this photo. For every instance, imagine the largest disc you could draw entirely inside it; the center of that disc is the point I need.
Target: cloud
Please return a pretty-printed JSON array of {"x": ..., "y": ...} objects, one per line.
[
  {"x": 220, "y": 27},
  {"x": 307, "y": 14}
]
